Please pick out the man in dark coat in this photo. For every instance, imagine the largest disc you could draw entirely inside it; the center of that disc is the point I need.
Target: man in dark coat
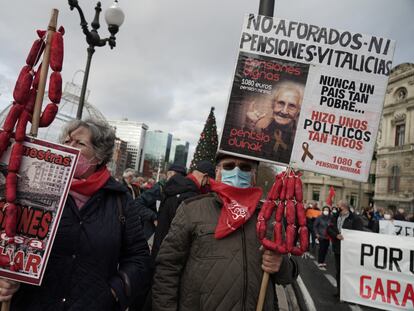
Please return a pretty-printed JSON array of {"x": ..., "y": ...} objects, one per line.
[
  {"x": 345, "y": 220},
  {"x": 210, "y": 259},
  {"x": 177, "y": 189}
]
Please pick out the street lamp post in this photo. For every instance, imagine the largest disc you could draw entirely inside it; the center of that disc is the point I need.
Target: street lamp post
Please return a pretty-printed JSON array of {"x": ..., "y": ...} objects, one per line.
[
  {"x": 114, "y": 18},
  {"x": 267, "y": 7}
]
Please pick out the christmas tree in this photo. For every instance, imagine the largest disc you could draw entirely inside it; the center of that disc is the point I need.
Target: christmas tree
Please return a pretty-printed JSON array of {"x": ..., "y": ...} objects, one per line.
[{"x": 207, "y": 144}]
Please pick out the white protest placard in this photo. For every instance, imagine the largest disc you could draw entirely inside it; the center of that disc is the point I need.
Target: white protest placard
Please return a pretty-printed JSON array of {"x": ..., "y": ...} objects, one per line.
[
  {"x": 377, "y": 270},
  {"x": 396, "y": 227},
  {"x": 307, "y": 94},
  {"x": 45, "y": 175}
]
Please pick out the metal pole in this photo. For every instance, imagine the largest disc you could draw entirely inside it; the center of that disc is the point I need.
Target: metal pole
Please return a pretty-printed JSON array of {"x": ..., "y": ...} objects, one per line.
[
  {"x": 267, "y": 7},
  {"x": 91, "y": 50}
]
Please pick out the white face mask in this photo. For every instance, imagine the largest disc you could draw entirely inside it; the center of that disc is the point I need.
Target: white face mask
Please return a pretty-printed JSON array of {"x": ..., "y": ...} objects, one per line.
[
  {"x": 326, "y": 213},
  {"x": 387, "y": 216}
]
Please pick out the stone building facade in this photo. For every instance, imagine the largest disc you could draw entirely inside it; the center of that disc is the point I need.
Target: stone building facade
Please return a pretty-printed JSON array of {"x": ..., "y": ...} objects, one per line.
[{"x": 394, "y": 186}]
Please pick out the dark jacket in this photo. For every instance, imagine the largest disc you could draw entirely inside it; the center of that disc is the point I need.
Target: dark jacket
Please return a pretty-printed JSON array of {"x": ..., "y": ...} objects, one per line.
[
  {"x": 320, "y": 225},
  {"x": 369, "y": 223},
  {"x": 195, "y": 271},
  {"x": 352, "y": 222},
  {"x": 83, "y": 264},
  {"x": 147, "y": 207},
  {"x": 177, "y": 189}
]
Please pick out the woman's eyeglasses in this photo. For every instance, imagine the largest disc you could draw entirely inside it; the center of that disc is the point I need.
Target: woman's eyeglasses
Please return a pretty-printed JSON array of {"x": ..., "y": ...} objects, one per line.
[{"x": 243, "y": 166}]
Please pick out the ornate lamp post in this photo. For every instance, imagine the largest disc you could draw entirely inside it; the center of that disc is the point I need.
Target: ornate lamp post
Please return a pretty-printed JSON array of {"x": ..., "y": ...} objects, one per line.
[{"x": 114, "y": 18}]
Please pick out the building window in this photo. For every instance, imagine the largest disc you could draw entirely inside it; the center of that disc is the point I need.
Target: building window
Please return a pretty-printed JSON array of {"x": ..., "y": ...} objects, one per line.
[
  {"x": 394, "y": 179},
  {"x": 401, "y": 93},
  {"x": 399, "y": 135},
  {"x": 315, "y": 195}
]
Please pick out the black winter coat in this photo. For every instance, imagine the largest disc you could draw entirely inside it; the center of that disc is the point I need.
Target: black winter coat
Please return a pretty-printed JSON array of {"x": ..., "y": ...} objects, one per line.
[
  {"x": 147, "y": 206},
  {"x": 352, "y": 222},
  {"x": 177, "y": 189},
  {"x": 83, "y": 264}
]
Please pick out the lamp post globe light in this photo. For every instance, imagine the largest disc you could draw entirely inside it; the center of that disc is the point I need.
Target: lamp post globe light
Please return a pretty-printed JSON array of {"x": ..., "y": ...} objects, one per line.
[{"x": 114, "y": 17}]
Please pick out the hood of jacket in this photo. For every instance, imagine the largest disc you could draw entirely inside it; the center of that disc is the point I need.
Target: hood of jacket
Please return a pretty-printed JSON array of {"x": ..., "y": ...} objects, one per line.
[{"x": 179, "y": 184}]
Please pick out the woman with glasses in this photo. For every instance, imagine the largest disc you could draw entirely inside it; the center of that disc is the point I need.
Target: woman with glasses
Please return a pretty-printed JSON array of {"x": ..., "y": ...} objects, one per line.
[
  {"x": 211, "y": 259},
  {"x": 100, "y": 258}
]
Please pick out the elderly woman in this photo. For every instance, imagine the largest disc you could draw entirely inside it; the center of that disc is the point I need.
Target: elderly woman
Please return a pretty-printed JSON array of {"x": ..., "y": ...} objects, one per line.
[{"x": 100, "y": 258}]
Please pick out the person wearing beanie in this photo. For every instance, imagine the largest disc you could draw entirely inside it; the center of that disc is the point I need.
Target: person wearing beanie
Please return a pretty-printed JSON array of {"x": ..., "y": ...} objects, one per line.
[{"x": 178, "y": 188}]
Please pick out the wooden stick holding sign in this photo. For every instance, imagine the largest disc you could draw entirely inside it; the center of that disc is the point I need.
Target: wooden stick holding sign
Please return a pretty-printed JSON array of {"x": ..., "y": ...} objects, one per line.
[
  {"x": 285, "y": 198},
  {"x": 43, "y": 73}
]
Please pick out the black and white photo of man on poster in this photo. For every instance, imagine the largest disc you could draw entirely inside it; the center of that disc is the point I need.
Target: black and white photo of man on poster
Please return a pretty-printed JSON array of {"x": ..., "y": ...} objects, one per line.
[{"x": 264, "y": 107}]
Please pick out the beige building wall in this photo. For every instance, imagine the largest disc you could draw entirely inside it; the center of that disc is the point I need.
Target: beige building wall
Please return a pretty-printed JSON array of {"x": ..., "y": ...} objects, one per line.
[{"x": 394, "y": 185}]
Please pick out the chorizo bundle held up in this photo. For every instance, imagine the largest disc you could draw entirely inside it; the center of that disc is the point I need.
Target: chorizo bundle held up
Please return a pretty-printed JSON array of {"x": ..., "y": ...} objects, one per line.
[
  {"x": 20, "y": 115},
  {"x": 285, "y": 198}
]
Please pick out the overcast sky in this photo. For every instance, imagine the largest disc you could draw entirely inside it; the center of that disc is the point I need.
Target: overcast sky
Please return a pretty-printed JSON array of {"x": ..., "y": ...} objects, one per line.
[{"x": 175, "y": 58}]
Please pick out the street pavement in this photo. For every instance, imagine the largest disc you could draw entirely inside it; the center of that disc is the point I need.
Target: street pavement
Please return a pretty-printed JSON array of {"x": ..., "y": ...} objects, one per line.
[{"x": 316, "y": 287}]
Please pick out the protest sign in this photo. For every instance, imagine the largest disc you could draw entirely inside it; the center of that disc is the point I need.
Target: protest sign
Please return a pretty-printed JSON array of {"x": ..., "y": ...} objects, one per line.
[
  {"x": 396, "y": 227},
  {"x": 307, "y": 94},
  {"x": 45, "y": 175},
  {"x": 377, "y": 270}
]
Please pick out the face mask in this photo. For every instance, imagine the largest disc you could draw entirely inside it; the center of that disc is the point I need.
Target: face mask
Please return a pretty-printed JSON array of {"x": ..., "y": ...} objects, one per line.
[
  {"x": 387, "y": 216},
  {"x": 236, "y": 178},
  {"x": 83, "y": 165},
  {"x": 334, "y": 212},
  {"x": 326, "y": 213}
]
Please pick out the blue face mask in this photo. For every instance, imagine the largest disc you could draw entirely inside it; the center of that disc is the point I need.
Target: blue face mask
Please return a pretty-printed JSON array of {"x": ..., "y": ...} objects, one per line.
[{"x": 236, "y": 178}]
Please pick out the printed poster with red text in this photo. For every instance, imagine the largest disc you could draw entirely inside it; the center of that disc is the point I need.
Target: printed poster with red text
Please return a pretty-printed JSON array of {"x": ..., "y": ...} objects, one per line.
[
  {"x": 307, "y": 95},
  {"x": 377, "y": 270},
  {"x": 44, "y": 178}
]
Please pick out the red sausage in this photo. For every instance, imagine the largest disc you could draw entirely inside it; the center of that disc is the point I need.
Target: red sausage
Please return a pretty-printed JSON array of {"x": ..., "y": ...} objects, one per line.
[
  {"x": 23, "y": 83},
  {"x": 48, "y": 115},
  {"x": 298, "y": 189},
  {"x": 56, "y": 52},
  {"x": 290, "y": 212},
  {"x": 15, "y": 157},
  {"x": 277, "y": 233},
  {"x": 55, "y": 87},
  {"x": 290, "y": 237},
  {"x": 4, "y": 141},
  {"x": 304, "y": 239},
  {"x": 12, "y": 117},
  {"x": 35, "y": 52},
  {"x": 37, "y": 77},
  {"x": 11, "y": 220},
  {"x": 11, "y": 186},
  {"x": 282, "y": 195},
  {"x": 267, "y": 209},
  {"x": 261, "y": 229},
  {"x": 280, "y": 211},
  {"x": 267, "y": 244},
  {"x": 300, "y": 214},
  {"x": 21, "y": 126},
  {"x": 290, "y": 187}
]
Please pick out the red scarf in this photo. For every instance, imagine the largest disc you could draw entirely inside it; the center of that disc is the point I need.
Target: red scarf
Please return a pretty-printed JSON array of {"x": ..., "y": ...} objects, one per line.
[
  {"x": 92, "y": 184},
  {"x": 239, "y": 205}
]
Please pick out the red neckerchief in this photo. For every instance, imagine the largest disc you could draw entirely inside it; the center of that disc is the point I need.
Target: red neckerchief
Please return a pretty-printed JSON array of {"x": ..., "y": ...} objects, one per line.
[
  {"x": 239, "y": 205},
  {"x": 92, "y": 184}
]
